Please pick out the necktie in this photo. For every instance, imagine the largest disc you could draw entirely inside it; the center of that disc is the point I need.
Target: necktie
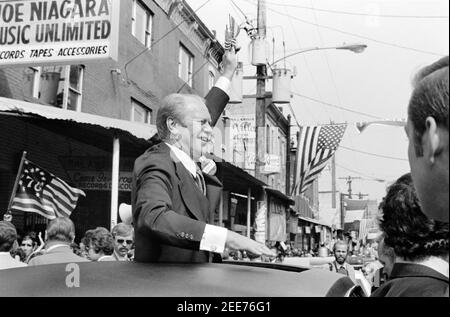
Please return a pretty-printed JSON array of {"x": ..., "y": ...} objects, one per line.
[{"x": 200, "y": 181}]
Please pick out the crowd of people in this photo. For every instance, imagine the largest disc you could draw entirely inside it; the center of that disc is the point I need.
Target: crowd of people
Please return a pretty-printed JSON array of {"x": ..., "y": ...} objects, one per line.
[
  {"x": 97, "y": 244},
  {"x": 173, "y": 198}
]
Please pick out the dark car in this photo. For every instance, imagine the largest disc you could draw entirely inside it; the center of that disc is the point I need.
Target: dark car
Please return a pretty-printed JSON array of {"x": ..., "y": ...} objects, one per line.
[{"x": 245, "y": 279}]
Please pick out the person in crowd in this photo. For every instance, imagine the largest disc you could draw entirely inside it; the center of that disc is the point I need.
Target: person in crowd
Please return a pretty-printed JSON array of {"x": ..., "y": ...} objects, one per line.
[
  {"x": 420, "y": 245},
  {"x": 76, "y": 249},
  {"x": 427, "y": 130},
  {"x": 100, "y": 245},
  {"x": 340, "y": 264},
  {"x": 123, "y": 236},
  {"x": 172, "y": 198},
  {"x": 8, "y": 235},
  {"x": 60, "y": 234},
  {"x": 30, "y": 247},
  {"x": 84, "y": 243},
  {"x": 18, "y": 254}
]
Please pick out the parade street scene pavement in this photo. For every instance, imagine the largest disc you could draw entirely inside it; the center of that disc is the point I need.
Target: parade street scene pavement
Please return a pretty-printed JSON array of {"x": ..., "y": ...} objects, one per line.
[{"x": 205, "y": 152}]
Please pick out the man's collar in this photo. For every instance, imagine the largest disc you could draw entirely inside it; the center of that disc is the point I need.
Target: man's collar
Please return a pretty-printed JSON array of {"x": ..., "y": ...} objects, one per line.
[
  {"x": 55, "y": 246},
  {"x": 185, "y": 159}
]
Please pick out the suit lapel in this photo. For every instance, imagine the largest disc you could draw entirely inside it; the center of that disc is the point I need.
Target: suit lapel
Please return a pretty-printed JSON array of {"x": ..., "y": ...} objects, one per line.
[{"x": 194, "y": 199}]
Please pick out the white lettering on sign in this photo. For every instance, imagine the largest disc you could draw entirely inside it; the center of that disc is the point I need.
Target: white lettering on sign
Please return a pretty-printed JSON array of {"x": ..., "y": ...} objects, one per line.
[{"x": 33, "y": 31}]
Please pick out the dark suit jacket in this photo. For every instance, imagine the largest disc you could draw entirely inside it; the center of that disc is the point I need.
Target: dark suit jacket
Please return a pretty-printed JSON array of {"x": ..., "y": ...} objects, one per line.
[
  {"x": 169, "y": 211},
  {"x": 413, "y": 280}
]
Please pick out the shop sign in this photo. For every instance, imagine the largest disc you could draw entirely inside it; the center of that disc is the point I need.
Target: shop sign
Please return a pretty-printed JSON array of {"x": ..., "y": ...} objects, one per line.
[
  {"x": 307, "y": 230},
  {"x": 100, "y": 181},
  {"x": 272, "y": 164},
  {"x": 58, "y": 31}
]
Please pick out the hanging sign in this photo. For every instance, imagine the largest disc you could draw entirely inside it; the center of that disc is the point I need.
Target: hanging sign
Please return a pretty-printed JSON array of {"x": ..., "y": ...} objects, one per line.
[{"x": 58, "y": 31}]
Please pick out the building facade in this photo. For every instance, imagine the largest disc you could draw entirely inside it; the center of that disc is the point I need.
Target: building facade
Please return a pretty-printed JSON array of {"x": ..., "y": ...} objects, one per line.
[{"x": 163, "y": 48}]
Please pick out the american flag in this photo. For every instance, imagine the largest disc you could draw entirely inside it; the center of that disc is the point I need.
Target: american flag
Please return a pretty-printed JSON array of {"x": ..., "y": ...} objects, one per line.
[
  {"x": 316, "y": 146},
  {"x": 42, "y": 192}
]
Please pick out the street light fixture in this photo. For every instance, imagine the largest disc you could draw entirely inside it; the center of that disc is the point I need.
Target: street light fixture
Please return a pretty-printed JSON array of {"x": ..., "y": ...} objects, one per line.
[{"x": 355, "y": 48}]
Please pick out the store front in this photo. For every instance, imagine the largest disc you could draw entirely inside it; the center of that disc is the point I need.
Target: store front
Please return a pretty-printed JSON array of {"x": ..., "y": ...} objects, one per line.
[
  {"x": 238, "y": 210},
  {"x": 86, "y": 151},
  {"x": 278, "y": 211}
]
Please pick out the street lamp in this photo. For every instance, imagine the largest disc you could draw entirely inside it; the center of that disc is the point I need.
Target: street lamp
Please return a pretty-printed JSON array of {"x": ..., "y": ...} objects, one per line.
[{"x": 355, "y": 48}]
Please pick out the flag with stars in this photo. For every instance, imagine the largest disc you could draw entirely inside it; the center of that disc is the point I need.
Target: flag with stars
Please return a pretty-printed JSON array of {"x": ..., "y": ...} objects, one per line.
[
  {"x": 42, "y": 192},
  {"x": 316, "y": 146}
]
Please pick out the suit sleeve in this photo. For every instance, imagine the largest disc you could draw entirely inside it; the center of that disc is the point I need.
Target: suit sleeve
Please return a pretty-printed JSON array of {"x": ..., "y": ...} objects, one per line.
[
  {"x": 154, "y": 212},
  {"x": 216, "y": 101}
]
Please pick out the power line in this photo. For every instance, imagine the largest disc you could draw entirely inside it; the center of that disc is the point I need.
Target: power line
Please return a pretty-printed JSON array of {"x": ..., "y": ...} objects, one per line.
[
  {"x": 363, "y": 14},
  {"x": 336, "y": 106},
  {"x": 160, "y": 39},
  {"x": 327, "y": 60},
  {"x": 356, "y": 35},
  {"x": 358, "y": 173},
  {"x": 376, "y": 155}
]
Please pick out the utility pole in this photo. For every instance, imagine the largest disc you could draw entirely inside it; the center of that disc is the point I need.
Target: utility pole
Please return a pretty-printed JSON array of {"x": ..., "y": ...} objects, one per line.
[
  {"x": 349, "y": 182},
  {"x": 260, "y": 118},
  {"x": 333, "y": 182},
  {"x": 261, "y": 74}
]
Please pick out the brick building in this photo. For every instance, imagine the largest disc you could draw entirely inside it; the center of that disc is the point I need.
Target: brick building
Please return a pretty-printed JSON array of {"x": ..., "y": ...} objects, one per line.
[{"x": 163, "y": 48}]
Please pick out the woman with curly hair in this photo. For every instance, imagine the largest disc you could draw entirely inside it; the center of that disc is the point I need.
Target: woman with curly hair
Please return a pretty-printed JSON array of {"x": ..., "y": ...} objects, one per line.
[
  {"x": 420, "y": 244},
  {"x": 100, "y": 245}
]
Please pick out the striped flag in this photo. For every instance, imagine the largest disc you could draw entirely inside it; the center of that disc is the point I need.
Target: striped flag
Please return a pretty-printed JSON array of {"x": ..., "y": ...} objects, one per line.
[
  {"x": 316, "y": 146},
  {"x": 42, "y": 192}
]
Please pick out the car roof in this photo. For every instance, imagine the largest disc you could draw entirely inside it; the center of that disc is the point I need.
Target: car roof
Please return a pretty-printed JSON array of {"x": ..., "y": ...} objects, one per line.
[{"x": 171, "y": 280}]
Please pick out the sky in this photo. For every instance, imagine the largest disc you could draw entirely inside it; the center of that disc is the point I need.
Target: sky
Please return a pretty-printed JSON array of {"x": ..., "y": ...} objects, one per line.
[{"x": 402, "y": 36}]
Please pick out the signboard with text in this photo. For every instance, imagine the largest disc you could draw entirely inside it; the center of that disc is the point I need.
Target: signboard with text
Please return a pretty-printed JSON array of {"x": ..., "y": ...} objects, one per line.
[
  {"x": 99, "y": 180},
  {"x": 58, "y": 31}
]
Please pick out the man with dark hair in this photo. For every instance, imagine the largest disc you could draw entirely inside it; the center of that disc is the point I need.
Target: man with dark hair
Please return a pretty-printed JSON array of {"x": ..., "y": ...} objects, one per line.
[
  {"x": 420, "y": 245},
  {"x": 60, "y": 234},
  {"x": 340, "y": 265},
  {"x": 123, "y": 236},
  {"x": 427, "y": 131},
  {"x": 8, "y": 235},
  {"x": 100, "y": 245}
]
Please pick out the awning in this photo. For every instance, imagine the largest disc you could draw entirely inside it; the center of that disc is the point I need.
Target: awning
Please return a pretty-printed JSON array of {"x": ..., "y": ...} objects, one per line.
[
  {"x": 280, "y": 195},
  {"x": 138, "y": 130},
  {"x": 354, "y": 215},
  {"x": 236, "y": 179},
  {"x": 315, "y": 221}
]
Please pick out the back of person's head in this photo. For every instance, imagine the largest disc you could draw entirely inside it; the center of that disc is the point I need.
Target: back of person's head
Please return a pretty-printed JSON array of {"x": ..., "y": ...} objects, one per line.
[
  {"x": 429, "y": 99},
  {"x": 122, "y": 230},
  {"x": 406, "y": 229},
  {"x": 61, "y": 229},
  {"x": 173, "y": 106},
  {"x": 101, "y": 240},
  {"x": 8, "y": 236}
]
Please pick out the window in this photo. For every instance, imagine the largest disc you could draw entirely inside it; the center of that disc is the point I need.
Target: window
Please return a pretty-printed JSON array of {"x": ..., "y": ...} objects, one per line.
[
  {"x": 60, "y": 86},
  {"x": 141, "y": 25},
  {"x": 32, "y": 78},
  {"x": 185, "y": 65},
  {"x": 70, "y": 87},
  {"x": 140, "y": 113}
]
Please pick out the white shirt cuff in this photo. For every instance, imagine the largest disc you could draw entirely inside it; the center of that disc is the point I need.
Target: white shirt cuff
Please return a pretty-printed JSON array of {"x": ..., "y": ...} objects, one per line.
[
  {"x": 223, "y": 84},
  {"x": 213, "y": 239}
]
